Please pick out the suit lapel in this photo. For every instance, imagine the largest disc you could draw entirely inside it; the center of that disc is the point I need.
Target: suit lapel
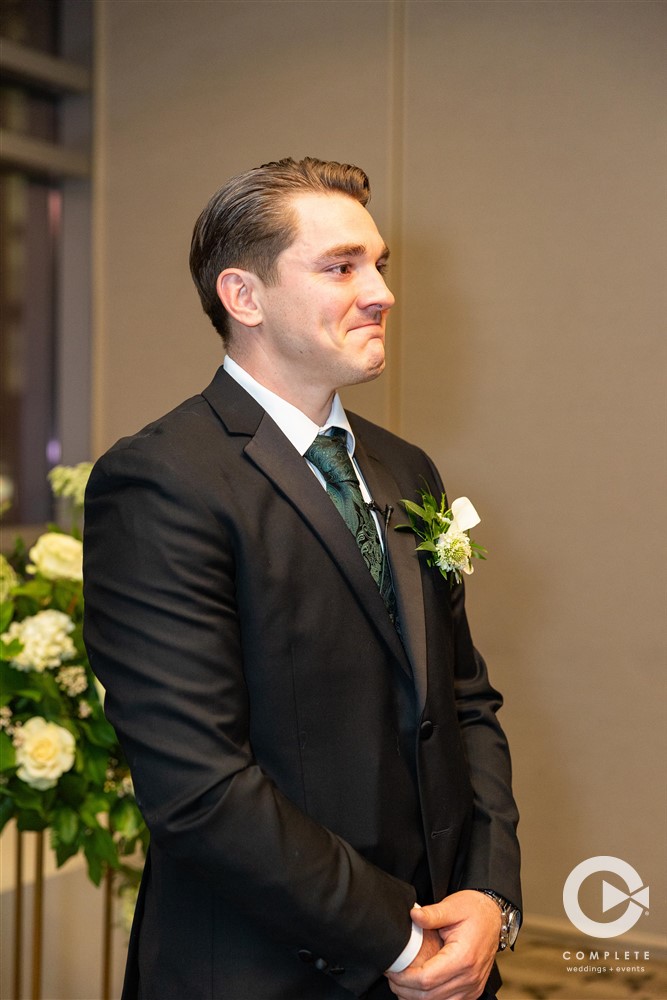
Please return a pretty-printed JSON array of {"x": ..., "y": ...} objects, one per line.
[
  {"x": 270, "y": 451},
  {"x": 404, "y": 564}
]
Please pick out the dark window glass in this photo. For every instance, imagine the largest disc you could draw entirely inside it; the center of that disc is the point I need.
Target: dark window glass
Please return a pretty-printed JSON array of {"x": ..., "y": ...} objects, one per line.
[{"x": 29, "y": 238}]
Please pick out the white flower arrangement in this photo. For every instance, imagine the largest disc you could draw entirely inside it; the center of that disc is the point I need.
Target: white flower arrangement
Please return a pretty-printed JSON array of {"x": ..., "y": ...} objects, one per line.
[
  {"x": 61, "y": 767},
  {"x": 444, "y": 533}
]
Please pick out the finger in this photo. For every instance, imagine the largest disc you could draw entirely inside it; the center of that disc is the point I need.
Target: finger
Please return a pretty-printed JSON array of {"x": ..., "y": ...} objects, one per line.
[
  {"x": 449, "y": 974},
  {"x": 446, "y": 992},
  {"x": 433, "y": 917},
  {"x": 437, "y": 971}
]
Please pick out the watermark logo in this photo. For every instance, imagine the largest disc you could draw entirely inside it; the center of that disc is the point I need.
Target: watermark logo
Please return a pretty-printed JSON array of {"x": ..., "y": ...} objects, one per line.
[{"x": 636, "y": 896}]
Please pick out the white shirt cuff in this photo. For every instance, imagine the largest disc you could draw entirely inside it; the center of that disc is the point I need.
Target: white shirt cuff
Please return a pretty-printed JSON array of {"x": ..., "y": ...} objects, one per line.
[{"x": 410, "y": 951}]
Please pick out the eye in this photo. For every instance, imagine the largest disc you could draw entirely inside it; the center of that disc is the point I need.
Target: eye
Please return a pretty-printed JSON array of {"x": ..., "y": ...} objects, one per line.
[
  {"x": 382, "y": 266},
  {"x": 343, "y": 268}
]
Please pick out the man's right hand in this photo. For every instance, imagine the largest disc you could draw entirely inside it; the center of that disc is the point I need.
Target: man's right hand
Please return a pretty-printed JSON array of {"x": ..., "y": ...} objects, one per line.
[
  {"x": 431, "y": 945},
  {"x": 460, "y": 941}
]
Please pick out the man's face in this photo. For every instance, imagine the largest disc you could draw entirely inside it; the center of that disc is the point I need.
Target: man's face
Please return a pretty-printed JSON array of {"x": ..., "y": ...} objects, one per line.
[{"x": 324, "y": 321}]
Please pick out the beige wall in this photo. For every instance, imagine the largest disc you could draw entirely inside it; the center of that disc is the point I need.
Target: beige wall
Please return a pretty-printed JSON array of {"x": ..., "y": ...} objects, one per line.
[{"x": 517, "y": 151}]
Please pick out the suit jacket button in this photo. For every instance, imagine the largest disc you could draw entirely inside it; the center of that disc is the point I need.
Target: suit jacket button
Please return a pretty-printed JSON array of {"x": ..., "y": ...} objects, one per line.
[
  {"x": 321, "y": 964},
  {"x": 426, "y": 730},
  {"x": 306, "y": 956}
]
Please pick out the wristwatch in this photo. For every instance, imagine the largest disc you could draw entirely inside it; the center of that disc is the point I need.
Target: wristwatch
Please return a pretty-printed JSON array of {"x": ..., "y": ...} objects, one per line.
[{"x": 509, "y": 929}]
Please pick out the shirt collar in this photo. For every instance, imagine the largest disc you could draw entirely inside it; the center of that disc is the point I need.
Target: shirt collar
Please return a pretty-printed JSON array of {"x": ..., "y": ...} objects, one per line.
[{"x": 299, "y": 429}]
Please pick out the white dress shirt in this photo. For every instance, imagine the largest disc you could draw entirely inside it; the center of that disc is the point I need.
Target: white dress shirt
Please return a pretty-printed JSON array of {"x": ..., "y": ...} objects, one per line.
[{"x": 301, "y": 431}]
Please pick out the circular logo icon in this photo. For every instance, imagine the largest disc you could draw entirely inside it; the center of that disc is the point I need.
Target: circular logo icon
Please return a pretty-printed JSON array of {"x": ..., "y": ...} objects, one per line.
[{"x": 636, "y": 896}]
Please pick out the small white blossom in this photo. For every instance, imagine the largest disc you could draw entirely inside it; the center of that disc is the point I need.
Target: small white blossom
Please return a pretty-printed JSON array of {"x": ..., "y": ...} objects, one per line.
[
  {"x": 84, "y": 710},
  {"x": 454, "y": 551},
  {"x": 126, "y": 786},
  {"x": 72, "y": 680},
  {"x": 57, "y": 557},
  {"x": 45, "y": 640},
  {"x": 70, "y": 481},
  {"x": 6, "y": 717},
  {"x": 44, "y": 751}
]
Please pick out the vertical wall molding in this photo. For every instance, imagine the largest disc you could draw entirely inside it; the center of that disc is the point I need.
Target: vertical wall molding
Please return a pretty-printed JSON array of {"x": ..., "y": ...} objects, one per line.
[
  {"x": 100, "y": 198},
  {"x": 396, "y": 139}
]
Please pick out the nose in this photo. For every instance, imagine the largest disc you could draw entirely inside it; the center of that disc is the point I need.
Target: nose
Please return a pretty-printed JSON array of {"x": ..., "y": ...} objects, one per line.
[{"x": 374, "y": 292}]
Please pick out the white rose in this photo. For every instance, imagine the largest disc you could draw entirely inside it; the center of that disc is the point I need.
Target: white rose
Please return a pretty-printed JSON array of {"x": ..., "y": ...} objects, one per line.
[
  {"x": 44, "y": 751},
  {"x": 57, "y": 557}
]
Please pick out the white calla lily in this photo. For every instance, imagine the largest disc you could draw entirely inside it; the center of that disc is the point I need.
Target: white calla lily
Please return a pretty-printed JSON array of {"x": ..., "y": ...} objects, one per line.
[{"x": 464, "y": 514}]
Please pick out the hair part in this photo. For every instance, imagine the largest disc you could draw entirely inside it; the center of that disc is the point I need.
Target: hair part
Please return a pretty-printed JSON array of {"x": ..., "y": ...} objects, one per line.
[{"x": 250, "y": 221}]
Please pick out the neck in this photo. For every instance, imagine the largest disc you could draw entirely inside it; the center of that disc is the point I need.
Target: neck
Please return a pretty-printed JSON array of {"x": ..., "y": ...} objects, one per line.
[{"x": 314, "y": 401}]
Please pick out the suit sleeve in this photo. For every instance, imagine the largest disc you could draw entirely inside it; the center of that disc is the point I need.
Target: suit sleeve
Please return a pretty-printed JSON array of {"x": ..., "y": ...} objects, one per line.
[
  {"x": 162, "y": 631},
  {"x": 493, "y": 859}
]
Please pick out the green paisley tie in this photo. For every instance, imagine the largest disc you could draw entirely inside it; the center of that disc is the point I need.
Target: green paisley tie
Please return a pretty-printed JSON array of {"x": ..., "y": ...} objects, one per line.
[{"x": 329, "y": 454}]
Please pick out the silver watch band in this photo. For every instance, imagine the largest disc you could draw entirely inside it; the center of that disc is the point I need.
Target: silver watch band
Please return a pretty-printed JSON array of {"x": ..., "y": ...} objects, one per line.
[{"x": 511, "y": 919}]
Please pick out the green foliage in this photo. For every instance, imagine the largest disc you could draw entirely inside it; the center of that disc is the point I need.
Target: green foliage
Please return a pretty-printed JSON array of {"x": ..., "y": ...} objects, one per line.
[{"x": 90, "y": 808}]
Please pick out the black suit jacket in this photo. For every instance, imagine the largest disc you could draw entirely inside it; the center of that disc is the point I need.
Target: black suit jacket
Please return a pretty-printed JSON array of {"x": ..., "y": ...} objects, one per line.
[{"x": 304, "y": 772}]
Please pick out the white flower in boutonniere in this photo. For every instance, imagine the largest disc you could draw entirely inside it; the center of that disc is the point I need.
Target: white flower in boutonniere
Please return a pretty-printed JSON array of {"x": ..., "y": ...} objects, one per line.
[{"x": 444, "y": 533}]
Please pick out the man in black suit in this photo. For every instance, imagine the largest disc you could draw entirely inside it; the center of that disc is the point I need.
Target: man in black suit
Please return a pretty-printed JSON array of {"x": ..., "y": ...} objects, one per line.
[{"x": 312, "y": 736}]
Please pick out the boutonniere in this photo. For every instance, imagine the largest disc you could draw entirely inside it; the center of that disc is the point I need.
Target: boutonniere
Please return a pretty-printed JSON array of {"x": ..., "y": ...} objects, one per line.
[{"x": 444, "y": 533}]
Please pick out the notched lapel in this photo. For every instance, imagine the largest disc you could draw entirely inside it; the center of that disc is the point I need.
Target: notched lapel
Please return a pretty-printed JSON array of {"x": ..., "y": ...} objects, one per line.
[
  {"x": 275, "y": 456},
  {"x": 404, "y": 564},
  {"x": 272, "y": 453}
]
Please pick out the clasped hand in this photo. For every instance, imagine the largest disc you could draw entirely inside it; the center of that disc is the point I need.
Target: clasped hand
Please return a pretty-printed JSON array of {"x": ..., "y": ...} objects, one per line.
[{"x": 460, "y": 941}]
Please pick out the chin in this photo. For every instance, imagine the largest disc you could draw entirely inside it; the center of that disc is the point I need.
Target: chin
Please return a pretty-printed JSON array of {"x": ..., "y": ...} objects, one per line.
[
  {"x": 378, "y": 360},
  {"x": 367, "y": 366},
  {"x": 373, "y": 370}
]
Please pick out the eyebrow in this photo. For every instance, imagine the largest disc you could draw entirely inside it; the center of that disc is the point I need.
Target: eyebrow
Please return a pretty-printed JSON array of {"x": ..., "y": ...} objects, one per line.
[{"x": 348, "y": 250}]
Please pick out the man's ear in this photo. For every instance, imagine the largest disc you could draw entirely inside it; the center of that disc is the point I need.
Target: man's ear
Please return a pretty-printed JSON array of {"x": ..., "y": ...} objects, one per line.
[{"x": 237, "y": 290}]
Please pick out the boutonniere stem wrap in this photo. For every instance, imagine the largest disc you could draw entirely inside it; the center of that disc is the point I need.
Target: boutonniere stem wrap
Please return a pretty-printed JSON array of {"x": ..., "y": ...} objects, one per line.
[{"x": 444, "y": 533}]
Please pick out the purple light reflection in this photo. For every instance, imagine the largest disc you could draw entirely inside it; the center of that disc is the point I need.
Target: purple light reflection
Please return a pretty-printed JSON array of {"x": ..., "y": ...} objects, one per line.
[{"x": 53, "y": 451}]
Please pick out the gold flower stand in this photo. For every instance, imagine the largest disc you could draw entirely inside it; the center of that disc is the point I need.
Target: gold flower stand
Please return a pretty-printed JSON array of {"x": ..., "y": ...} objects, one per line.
[{"x": 37, "y": 923}]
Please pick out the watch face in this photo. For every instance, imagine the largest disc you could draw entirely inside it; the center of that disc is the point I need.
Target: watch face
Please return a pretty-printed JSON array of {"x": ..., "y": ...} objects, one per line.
[{"x": 512, "y": 927}]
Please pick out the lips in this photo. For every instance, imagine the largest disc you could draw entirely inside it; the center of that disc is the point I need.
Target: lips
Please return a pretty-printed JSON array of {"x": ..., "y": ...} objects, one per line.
[{"x": 377, "y": 328}]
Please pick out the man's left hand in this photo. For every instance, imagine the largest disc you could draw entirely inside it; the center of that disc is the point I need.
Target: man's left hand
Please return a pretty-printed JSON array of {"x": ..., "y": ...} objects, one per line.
[{"x": 469, "y": 924}]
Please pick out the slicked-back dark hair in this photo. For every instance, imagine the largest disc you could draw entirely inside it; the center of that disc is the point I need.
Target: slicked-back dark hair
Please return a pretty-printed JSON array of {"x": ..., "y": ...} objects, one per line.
[{"x": 250, "y": 221}]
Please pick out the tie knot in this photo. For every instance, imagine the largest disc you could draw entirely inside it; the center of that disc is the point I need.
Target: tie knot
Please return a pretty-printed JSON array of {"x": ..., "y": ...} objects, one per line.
[{"x": 329, "y": 454}]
